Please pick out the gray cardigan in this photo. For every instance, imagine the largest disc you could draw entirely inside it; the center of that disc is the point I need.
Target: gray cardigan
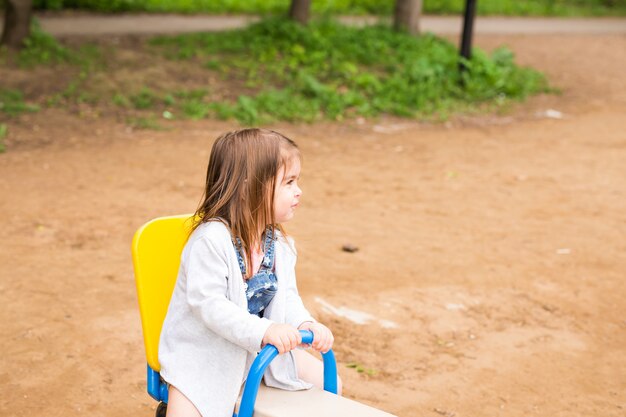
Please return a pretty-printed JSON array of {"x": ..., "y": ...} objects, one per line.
[{"x": 209, "y": 339}]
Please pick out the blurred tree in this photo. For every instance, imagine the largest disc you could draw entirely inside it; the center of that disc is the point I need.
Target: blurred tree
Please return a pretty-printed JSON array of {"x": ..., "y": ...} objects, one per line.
[
  {"x": 17, "y": 14},
  {"x": 299, "y": 11},
  {"x": 406, "y": 16}
]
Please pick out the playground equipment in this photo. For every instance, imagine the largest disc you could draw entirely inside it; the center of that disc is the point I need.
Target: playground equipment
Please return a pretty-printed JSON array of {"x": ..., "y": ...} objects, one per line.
[{"x": 156, "y": 250}]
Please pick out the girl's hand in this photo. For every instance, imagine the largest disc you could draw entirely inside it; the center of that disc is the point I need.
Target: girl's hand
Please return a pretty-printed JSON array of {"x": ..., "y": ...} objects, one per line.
[
  {"x": 322, "y": 336},
  {"x": 283, "y": 336}
]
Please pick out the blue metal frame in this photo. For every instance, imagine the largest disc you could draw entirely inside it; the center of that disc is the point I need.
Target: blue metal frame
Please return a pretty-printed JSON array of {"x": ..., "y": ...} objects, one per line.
[
  {"x": 269, "y": 352},
  {"x": 158, "y": 389}
]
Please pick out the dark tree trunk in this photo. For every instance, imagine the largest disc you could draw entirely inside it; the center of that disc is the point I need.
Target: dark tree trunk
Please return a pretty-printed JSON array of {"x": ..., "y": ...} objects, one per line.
[
  {"x": 17, "y": 16},
  {"x": 299, "y": 11},
  {"x": 407, "y": 16}
]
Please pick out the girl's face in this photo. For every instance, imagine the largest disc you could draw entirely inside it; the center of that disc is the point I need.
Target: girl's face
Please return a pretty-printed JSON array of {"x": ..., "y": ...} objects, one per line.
[{"x": 287, "y": 193}]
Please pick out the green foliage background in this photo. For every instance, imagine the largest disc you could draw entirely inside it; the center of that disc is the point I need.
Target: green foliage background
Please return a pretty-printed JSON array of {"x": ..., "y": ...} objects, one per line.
[
  {"x": 382, "y": 7},
  {"x": 278, "y": 70}
]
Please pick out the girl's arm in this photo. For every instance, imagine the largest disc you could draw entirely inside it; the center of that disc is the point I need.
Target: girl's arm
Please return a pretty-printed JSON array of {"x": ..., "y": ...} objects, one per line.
[{"x": 207, "y": 286}]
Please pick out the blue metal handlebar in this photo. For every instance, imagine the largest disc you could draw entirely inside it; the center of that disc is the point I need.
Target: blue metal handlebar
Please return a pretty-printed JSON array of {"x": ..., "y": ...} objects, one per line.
[{"x": 267, "y": 354}]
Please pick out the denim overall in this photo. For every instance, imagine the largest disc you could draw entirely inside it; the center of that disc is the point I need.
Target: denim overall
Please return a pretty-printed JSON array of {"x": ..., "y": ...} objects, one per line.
[{"x": 262, "y": 286}]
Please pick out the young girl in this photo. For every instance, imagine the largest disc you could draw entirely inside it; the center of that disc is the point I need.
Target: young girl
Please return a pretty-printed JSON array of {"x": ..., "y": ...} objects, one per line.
[{"x": 236, "y": 287}]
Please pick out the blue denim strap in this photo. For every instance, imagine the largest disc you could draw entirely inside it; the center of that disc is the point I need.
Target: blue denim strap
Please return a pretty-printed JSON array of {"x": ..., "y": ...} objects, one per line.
[
  {"x": 268, "y": 257},
  {"x": 261, "y": 287}
]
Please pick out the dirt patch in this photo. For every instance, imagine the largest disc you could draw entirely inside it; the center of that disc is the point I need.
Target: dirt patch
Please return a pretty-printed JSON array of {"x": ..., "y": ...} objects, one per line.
[{"x": 494, "y": 244}]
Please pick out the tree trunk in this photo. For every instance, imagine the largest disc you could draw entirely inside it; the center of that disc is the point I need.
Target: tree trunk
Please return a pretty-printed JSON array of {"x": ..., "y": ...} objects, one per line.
[
  {"x": 407, "y": 16},
  {"x": 17, "y": 16},
  {"x": 299, "y": 11}
]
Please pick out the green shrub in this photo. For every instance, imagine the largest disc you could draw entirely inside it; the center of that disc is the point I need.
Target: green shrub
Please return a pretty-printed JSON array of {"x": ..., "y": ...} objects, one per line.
[{"x": 327, "y": 70}]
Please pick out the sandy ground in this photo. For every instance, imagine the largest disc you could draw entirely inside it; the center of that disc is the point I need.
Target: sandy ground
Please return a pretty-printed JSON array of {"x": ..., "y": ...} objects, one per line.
[{"x": 495, "y": 245}]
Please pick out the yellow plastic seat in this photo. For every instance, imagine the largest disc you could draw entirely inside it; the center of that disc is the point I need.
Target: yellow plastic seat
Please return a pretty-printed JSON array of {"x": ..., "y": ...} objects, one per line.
[{"x": 156, "y": 250}]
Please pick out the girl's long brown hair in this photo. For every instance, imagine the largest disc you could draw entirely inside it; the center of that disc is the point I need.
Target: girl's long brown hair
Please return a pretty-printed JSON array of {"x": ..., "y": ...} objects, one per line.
[{"x": 240, "y": 182}]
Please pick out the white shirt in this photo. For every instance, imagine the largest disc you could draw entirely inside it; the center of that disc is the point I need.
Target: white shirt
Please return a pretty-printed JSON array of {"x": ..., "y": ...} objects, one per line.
[{"x": 209, "y": 340}]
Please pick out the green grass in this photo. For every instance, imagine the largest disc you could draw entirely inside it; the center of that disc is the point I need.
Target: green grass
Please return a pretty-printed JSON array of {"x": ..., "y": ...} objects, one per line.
[
  {"x": 330, "y": 71},
  {"x": 4, "y": 131},
  {"x": 12, "y": 103},
  {"x": 40, "y": 48},
  {"x": 144, "y": 99},
  {"x": 148, "y": 122},
  {"x": 43, "y": 49},
  {"x": 485, "y": 7},
  {"x": 361, "y": 369},
  {"x": 190, "y": 104}
]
